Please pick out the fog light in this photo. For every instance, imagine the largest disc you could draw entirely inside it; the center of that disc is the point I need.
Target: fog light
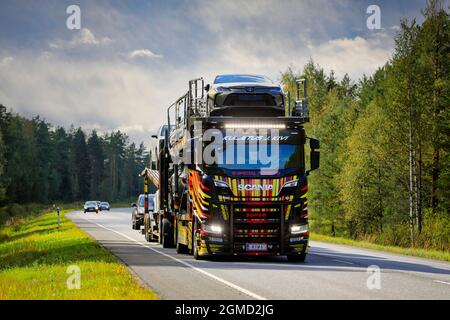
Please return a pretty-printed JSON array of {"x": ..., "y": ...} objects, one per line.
[{"x": 299, "y": 229}]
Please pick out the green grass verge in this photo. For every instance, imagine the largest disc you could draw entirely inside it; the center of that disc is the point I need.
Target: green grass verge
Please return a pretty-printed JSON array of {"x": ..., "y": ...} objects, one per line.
[
  {"x": 416, "y": 252},
  {"x": 35, "y": 255}
]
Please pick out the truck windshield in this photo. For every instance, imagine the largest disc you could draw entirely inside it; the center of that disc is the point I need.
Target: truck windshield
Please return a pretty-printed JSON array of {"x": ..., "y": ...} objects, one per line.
[{"x": 254, "y": 157}]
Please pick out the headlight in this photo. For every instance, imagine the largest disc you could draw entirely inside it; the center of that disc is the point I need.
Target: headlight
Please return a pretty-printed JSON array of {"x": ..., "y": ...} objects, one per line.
[
  {"x": 222, "y": 89},
  {"x": 276, "y": 90},
  {"x": 296, "y": 229},
  {"x": 141, "y": 210},
  {"x": 213, "y": 228}
]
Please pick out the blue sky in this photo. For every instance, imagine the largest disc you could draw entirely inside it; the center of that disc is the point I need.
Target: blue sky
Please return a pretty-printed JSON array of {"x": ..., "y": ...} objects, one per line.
[{"x": 131, "y": 59}]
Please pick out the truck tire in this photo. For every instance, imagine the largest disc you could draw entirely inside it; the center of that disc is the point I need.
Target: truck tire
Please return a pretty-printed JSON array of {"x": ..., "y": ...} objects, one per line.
[
  {"x": 160, "y": 228},
  {"x": 180, "y": 248},
  {"x": 146, "y": 233},
  {"x": 194, "y": 242},
  {"x": 297, "y": 257},
  {"x": 167, "y": 237}
]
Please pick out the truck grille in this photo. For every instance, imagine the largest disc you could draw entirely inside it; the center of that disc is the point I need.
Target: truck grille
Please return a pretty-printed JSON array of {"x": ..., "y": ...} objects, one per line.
[{"x": 256, "y": 225}]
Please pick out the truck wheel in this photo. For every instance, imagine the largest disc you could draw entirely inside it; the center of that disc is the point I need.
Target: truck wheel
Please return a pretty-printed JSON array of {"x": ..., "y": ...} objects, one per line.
[
  {"x": 146, "y": 233},
  {"x": 195, "y": 243},
  {"x": 181, "y": 248},
  {"x": 196, "y": 255},
  {"x": 296, "y": 257},
  {"x": 160, "y": 228},
  {"x": 167, "y": 240}
]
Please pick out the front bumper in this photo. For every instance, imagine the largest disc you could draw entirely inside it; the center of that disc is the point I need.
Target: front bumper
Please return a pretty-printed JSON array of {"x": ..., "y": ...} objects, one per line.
[
  {"x": 261, "y": 229},
  {"x": 212, "y": 247}
]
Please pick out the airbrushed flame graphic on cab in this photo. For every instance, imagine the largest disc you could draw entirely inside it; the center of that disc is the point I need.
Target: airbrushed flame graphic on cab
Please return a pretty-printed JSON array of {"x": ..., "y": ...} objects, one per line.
[{"x": 198, "y": 194}]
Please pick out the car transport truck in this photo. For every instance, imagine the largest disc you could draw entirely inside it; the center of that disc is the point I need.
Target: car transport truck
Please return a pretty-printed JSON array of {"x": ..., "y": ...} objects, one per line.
[{"x": 232, "y": 171}]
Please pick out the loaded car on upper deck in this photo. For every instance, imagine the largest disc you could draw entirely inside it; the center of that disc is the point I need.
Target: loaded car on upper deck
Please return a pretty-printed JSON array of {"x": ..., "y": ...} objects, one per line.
[{"x": 245, "y": 92}]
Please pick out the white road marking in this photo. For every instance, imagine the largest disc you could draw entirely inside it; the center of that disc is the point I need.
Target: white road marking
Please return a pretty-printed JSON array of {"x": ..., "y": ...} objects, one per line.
[
  {"x": 439, "y": 281},
  {"x": 342, "y": 261},
  {"x": 329, "y": 256},
  {"x": 232, "y": 285}
]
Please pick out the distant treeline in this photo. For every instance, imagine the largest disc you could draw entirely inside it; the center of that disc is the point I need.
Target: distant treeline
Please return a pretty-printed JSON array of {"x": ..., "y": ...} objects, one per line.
[
  {"x": 39, "y": 163},
  {"x": 385, "y": 142}
]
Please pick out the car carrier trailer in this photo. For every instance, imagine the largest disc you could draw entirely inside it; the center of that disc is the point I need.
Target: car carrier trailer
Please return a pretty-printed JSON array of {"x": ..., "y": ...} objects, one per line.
[{"x": 233, "y": 206}]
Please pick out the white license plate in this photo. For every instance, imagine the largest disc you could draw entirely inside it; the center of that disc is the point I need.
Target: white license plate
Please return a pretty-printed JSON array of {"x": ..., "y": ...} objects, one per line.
[{"x": 256, "y": 247}]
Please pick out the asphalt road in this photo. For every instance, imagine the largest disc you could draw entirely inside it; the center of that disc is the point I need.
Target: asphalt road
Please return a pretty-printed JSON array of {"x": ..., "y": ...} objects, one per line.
[{"x": 330, "y": 272}]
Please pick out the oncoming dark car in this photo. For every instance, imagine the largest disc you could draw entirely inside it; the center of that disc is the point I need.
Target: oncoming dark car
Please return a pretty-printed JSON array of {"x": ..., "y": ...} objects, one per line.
[
  {"x": 104, "y": 206},
  {"x": 90, "y": 206},
  {"x": 231, "y": 93},
  {"x": 137, "y": 216}
]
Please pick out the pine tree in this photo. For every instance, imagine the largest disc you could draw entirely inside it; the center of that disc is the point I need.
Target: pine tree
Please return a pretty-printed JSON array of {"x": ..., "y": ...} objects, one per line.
[
  {"x": 79, "y": 165},
  {"x": 45, "y": 178},
  {"x": 61, "y": 164},
  {"x": 96, "y": 164}
]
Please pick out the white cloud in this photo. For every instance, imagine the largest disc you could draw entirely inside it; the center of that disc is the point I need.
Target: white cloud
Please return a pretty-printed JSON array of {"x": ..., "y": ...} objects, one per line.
[
  {"x": 252, "y": 54},
  {"x": 107, "y": 95},
  {"x": 355, "y": 56},
  {"x": 6, "y": 61},
  {"x": 136, "y": 128},
  {"x": 143, "y": 53},
  {"x": 268, "y": 36},
  {"x": 83, "y": 37}
]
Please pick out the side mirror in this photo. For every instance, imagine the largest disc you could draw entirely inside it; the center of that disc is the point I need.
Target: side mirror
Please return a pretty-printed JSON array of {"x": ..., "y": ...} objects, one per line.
[
  {"x": 207, "y": 87},
  {"x": 314, "y": 144},
  {"x": 154, "y": 136},
  {"x": 315, "y": 159},
  {"x": 314, "y": 156},
  {"x": 133, "y": 205}
]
